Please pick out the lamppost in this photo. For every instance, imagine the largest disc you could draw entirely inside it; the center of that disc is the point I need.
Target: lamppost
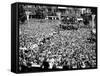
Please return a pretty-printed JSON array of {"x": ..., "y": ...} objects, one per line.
[
  {"x": 93, "y": 17},
  {"x": 93, "y": 24},
  {"x": 27, "y": 15}
]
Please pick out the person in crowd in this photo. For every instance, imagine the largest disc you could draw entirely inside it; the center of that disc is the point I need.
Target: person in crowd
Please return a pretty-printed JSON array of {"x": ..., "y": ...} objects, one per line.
[{"x": 45, "y": 64}]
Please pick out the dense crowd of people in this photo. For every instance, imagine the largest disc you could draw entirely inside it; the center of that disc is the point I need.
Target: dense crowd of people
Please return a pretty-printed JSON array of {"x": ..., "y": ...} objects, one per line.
[{"x": 69, "y": 49}]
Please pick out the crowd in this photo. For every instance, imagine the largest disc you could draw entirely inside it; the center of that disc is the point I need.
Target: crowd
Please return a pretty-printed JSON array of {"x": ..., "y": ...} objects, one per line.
[{"x": 68, "y": 49}]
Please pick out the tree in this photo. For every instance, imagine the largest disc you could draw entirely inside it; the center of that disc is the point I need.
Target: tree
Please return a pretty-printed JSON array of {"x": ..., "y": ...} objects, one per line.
[{"x": 21, "y": 14}]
